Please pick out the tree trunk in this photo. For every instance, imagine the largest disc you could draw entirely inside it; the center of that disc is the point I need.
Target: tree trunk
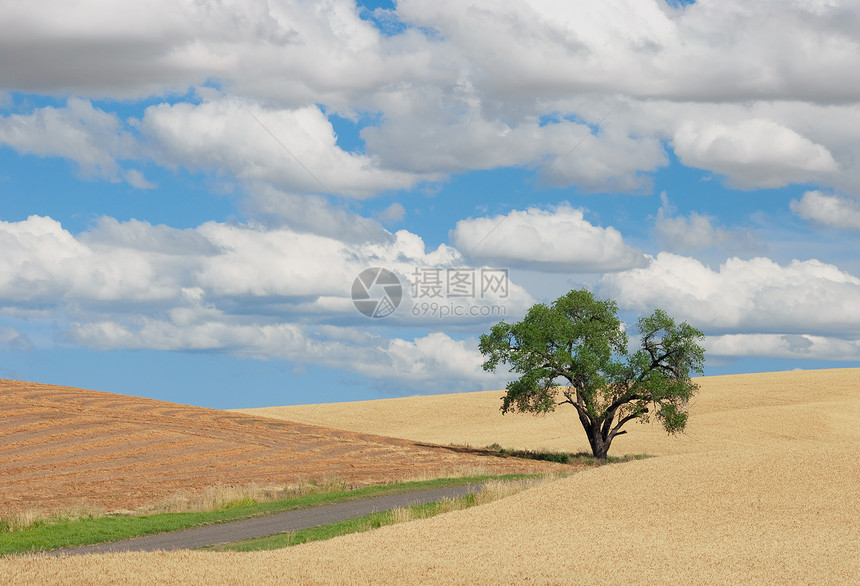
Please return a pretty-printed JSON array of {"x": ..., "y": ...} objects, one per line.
[
  {"x": 600, "y": 449},
  {"x": 599, "y": 446}
]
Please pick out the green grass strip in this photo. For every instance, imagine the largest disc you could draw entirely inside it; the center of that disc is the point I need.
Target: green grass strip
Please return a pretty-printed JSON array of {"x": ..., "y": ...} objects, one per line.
[
  {"x": 560, "y": 457},
  {"x": 357, "y": 525},
  {"x": 53, "y": 534}
]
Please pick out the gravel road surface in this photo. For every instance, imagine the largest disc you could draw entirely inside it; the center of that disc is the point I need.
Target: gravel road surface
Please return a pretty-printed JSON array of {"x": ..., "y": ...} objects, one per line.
[{"x": 270, "y": 524}]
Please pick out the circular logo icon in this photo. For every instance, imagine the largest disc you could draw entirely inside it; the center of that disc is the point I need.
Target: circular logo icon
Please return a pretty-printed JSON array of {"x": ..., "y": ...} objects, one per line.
[{"x": 376, "y": 292}]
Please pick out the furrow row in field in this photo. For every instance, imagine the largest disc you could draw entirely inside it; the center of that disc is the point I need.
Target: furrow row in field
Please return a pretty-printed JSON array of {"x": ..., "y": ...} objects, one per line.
[
  {"x": 68, "y": 448},
  {"x": 126, "y": 463}
]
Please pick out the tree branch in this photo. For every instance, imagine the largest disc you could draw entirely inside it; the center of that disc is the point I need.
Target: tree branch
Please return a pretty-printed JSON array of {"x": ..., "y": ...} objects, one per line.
[
  {"x": 569, "y": 397},
  {"x": 582, "y": 411},
  {"x": 623, "y": 399},
  {"x": 656, "y": 362},
  {"x": 615, "y": 430}
]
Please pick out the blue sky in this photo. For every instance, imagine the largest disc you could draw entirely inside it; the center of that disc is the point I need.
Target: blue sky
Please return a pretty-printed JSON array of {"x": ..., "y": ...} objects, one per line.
[{"x": 188, "y": 193}]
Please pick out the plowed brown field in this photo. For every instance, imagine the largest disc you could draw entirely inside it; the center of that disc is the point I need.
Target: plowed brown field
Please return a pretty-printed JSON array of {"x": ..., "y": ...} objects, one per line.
[{"x": 62, "y": 446}]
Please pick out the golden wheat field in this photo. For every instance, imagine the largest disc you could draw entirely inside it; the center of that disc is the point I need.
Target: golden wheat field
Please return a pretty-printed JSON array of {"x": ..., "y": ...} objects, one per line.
[
  {"x": 800, "y": 405},
  {"x": 765, "y": 488}
]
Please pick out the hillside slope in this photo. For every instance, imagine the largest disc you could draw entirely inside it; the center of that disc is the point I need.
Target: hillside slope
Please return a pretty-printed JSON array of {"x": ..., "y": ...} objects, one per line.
[
  {"x": 61, "y": 446},
  {"x": 733, "y": 409}
]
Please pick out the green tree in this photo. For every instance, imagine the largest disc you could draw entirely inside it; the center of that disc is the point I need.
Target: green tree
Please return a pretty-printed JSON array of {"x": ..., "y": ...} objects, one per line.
[{"x": 576, "y": 352}]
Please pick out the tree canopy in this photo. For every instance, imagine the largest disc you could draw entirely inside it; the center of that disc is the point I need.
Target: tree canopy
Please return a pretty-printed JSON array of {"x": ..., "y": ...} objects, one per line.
[{"x": 576, "y": 351}]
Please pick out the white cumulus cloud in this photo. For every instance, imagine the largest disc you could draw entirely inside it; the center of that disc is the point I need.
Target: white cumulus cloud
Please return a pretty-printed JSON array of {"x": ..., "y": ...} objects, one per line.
[
  {"x": 801, "y": 346},
  {"x": 697, "y": 232},
  {"x": 288, "y": 51},
  {"x": 431, "y": 363},
  {"x": 134, "y": 268},
  {"x": 557, "y": 240},
  {"x": 292, "y": 149},
  {"x": 264, "y": 293},
  {"x": 12, "y": 339},
  {"x": 476, "y": 88},
  {"x": 755, "y": 295},
  {"x": 393, "y": 213},
  {"x": 828, "y": 210},
  {"x": 136, "y": 179},
  {"x": 753, "y": 153},
  {"x": 44, "y": 263},
  {"x": 651, "y": 48},
  {"x": 86, "y": 135}
]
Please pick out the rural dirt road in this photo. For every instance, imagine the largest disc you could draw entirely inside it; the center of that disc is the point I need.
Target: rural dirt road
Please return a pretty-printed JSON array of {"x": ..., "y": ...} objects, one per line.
[{"x": 270, "y": 524}]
